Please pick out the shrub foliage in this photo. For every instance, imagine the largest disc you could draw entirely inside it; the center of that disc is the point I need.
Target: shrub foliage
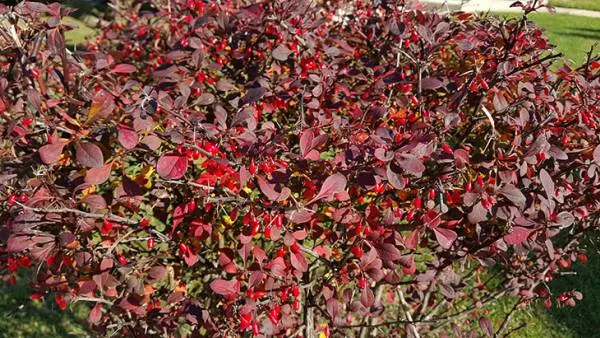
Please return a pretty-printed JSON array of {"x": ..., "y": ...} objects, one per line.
[{"x": 292, "y": 167}]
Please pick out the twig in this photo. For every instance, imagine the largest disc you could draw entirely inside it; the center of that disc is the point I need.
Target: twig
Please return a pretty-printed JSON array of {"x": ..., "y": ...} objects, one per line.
[{"x": 108, "y": 216}]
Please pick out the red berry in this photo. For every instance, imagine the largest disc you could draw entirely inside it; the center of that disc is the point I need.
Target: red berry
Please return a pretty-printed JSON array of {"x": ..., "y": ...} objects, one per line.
[
  {"x": 295, "y": 291},
  {"x": 191, "y": 206},
  {"x": 431, "y": 194},
  {"x": 183, "y": 249},
  {"x": 295, "y": 248},
  {"x": 107, "y": 226},
  {"x": 11, "y": 200},
  {"x": 418, "y": 203},
  {"x": 362, "y": 282},
  {"x": 60, "y": 302},
  {"x": 150, "y": 243},
  {"x": 28, "y": 121},
  {"x": 446, "y": 148},
  {"x": 255, "y": 328},
  {"x": 357, "y": 251},
  {"x": 122, "y": 259},
  {"x": 468, "y": 186},
  {"x": 144, "y": 223}
]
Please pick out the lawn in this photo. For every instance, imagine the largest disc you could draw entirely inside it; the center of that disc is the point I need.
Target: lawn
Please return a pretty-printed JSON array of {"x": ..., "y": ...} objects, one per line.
[
  {"x": 22, "y": 318},
  {"x": 573, "y": 35},
  {"x": 593, "y": 5}
]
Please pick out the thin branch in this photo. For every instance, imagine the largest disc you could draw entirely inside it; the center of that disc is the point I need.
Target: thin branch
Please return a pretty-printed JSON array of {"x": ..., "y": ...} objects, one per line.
[{"x": 107, "y": 216}]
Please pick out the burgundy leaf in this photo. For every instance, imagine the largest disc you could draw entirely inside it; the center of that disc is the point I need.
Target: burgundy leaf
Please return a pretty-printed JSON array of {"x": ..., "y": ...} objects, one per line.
[
  {"x": 333, "y": 184},
  {"x": 547, "y": 183},
  {"x": 366, "y": 297},
  {"x": 123, "y": 68},
  {"x": 517, "y": 235},
  {"x": 50, "y": 153},
  {"x": 225, "y": 287},
  {"x": 89, "y": 155},
  {"x": 127, "y": 137},
  {"x": 299, "y": 262},
  {"x": 445, "y": 237},
  {"x": 172, "y": 166},
  {"x": 269, "y": 190},
  {"x": 98, "y": 175}
]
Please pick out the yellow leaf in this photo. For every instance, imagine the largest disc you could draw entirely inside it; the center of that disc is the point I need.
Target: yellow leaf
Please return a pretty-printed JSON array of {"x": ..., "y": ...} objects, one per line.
[{"x": 227, "y": 220}]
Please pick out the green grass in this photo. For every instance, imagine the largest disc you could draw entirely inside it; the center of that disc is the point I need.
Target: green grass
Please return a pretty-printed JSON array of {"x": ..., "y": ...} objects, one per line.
[
  {"x": 593, "y": 5},
  {"x": 573, "y": 35},
  {"x": 21, "y": 317},
  {"x": 78, "y": 35}
]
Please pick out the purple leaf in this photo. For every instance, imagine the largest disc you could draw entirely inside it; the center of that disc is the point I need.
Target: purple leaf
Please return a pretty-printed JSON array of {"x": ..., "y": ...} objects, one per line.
[
  {"x": 547, "y": 183},
  {"x": 268, "y": 190},
  {"x": 514, "y": 195},
  {"x": 596, "y": 154},
  {"x": 412, "y": 164},
  {"x": 281, "y": 53},
  {"x": 431, "y": 83}
]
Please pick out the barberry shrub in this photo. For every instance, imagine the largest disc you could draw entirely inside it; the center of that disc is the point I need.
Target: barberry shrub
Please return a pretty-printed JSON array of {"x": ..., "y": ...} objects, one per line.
[{"x": 293, "y": 168}]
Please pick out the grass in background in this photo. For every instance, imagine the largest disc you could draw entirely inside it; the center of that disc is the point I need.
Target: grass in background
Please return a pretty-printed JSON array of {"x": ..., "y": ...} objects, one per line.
[
  {"x": 21, "y": 317},
  {"x": 572, "y": 35},
  {"x": 593, "y": 5}
]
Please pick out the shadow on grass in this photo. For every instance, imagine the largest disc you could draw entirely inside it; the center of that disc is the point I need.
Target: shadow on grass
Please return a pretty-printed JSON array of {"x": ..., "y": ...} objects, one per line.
[
  {"x": 582, "y": 33},
  {"x": 22, "y": 318},
  {"x": 583, "y": 319}
]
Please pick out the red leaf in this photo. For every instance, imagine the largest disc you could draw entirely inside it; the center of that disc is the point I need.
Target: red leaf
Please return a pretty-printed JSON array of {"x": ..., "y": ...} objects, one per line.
[
  {"x": 50, "y": 153},
  {"x": 127, "y": 137},
  {"x": 98, "y": 175},
  {"x": 517, "y": 235},
  {"x": 225, "y": 287},
  {"x": 89, "y": 155},
  {"x": 333, "y": 184},
  {"x": 299, "y": 262},
  {"x": 124, "y": 68},
  {"x": 95, "y": 314},
  {"x": 172, "y": 166},
  {"x": 445, "y": 237},
  {"x": 461, "y": 158},
  {"x": 412, "y": 240}
]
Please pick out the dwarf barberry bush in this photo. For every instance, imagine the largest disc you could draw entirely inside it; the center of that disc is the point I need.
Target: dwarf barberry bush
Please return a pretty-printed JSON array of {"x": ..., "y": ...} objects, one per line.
[{"x": 292, "y": 168}]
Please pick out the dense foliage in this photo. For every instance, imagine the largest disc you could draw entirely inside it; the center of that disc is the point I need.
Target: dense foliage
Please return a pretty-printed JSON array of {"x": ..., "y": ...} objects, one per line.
[{"x": 292, "y": 167}]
